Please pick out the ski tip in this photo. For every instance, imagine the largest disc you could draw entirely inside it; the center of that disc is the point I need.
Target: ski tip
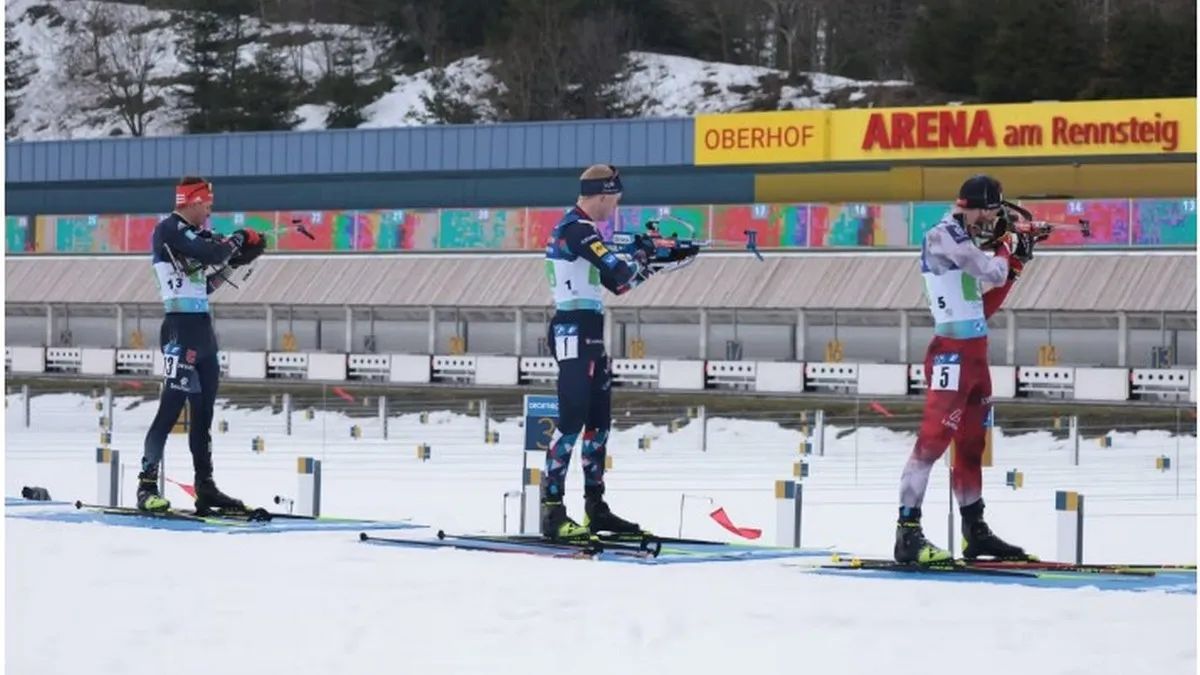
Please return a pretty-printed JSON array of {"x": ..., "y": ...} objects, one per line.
[{"x": 362, "y": 536}]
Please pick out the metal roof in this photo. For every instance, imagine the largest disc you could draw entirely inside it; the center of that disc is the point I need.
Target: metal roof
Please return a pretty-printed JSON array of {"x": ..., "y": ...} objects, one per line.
[
  {"x": 1145, "y": 281},
  {"x": 518, "y": 146}
]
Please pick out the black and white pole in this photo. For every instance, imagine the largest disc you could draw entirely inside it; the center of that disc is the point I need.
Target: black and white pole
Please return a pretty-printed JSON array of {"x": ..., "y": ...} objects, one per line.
[
  {"x": 1068, "y": 507},
  {"x": 108, "y": 409},
  {"x": 789, "y": 509},
  {"x": 383, "y": 416},
  {"x": 818, "y": 438},
  {"x": 308, "y": 502},
  {"x": 1073, "y": 437},
  {"x": 531, "y": 512},
  {"x": 483, "y": 416},
  {"x": 287, "y": 414},
  {"x": 108, "y": 476}
]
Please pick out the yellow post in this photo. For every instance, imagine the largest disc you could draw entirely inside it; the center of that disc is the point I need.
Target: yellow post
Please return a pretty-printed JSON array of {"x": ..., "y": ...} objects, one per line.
[
  {"x": 1047, "y": 355},
  {"x": 637, "y": 348},
  {"x": 834, "y": 353}
]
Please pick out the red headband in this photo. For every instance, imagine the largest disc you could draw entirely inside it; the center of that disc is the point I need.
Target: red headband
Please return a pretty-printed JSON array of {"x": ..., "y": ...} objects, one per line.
[{"x": 195, "y": 193}]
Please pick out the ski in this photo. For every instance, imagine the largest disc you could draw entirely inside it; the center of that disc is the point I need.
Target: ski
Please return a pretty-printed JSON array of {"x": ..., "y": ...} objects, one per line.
[
  {"x": 1026, "y": 567},
  {"x": 1107, "y": 568},
  {"x": 527, "y": 546},
  {"x": 947, "y": 567},
  {"x": 471, "y": 545},
  {"x": 648, "y": 537},
  {"x": 257, "y": 515},
  {"x": 594, "y": 543}
]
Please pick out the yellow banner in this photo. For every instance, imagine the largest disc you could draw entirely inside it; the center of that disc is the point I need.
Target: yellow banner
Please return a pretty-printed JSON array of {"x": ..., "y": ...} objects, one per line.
[
  {"x": 762, "y": 138},
  {"x": 1130, "y": 127},
  {"x": 1142, "y": 127}
]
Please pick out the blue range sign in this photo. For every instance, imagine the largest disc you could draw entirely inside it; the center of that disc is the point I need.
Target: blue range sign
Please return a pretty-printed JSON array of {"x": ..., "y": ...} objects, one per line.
[{"x": 541, "y": 419}]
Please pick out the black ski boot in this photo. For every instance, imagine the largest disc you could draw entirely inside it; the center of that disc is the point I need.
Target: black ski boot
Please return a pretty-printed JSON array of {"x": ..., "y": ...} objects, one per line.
[
  {"x": 557, "y": 525},
  {"x": 148, "y": 498},
  {"x": 598, "y": 517},
  {"x": 210, "y": 499},
  {"x": 979, "y": 541},
  {"x": 911, "y": 544}
]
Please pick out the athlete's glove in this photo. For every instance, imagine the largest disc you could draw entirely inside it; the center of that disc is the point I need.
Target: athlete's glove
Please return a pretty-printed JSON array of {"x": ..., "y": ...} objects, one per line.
[
  {"x": 1005, "y": 250},
  {"x": 248, "y": 246},
  {"x": 642, "y": 260},
  {"x": 1024, "y": 248}
]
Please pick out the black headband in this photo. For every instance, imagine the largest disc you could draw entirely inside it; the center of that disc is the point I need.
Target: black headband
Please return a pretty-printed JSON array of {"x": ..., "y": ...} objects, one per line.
[{"x": 601, "y": 186}]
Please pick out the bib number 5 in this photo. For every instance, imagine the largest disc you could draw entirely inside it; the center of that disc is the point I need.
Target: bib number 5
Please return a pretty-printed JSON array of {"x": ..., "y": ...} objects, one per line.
[{"x": 945, "y": 377}]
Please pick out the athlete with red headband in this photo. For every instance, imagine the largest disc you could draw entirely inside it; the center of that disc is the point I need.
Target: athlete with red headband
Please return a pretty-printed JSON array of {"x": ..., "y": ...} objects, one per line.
[
  {"x": 190, "y": 262},
  {"x": 964, "y": 286}
]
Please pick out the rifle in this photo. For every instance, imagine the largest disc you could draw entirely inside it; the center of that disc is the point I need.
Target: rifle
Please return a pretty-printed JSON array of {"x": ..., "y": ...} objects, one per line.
[
  {"x": 671, "y": 252},
  {"x": 1019, "y": 219}
]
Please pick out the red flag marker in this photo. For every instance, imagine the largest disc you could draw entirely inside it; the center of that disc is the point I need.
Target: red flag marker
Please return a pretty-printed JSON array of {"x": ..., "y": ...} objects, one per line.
[
  {"x": 724, "y": 521},
  {"x": 880, "y": 409},
  {"x": 343, "y": 394},
  {"x": 183, "y": 486}
]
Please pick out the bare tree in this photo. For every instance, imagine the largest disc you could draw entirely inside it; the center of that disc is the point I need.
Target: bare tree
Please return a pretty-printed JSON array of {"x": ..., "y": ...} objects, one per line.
[
  {"x": 113, "y": 61},
  {"x": 597, "y": 60},
  {"x": 531, "y": 63},
  {"x": 723, "y": 29},
  {"x": 787, "y": 21},
  {"x": 428, "y": 21}
]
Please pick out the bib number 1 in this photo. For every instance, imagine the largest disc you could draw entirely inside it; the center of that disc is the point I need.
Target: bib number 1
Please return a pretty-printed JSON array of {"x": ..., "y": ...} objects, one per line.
[{"x": 566, "y": 347}]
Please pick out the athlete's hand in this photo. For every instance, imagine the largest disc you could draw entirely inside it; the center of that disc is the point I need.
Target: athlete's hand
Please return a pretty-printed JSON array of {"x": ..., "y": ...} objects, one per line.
[
  {"x": 1023, "y": 251},
  {"x": 643, "y": 262},
  {"x": 250, "y": 245}
]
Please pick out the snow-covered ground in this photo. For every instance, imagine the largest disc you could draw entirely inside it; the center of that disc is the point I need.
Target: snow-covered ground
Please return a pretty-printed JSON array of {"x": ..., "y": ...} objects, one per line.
[
  {"x": 56, "y": 106},
  {"x": 99, "y": 599}
]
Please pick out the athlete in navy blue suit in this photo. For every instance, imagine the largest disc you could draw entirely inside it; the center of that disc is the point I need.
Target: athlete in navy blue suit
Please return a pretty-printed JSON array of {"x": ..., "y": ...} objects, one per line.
[
  {"x": 578, "y": 267},
  {"x": 189, "y": 264}
]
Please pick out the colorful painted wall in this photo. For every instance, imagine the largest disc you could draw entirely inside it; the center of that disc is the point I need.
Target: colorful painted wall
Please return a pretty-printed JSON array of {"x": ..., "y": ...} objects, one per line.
[{"x": 1114, "y": 222}]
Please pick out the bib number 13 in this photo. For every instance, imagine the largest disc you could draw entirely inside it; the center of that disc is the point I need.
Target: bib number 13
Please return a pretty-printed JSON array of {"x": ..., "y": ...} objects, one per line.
[
  {"x": 170, "y": 365},
  {"x": 945, "y": 377}
]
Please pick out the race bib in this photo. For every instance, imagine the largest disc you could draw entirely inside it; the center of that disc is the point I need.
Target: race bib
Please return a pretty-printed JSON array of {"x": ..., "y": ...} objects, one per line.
[
  {"x": 566, "y": 341},
  {"x": 946, "y": 371},
  {"x": 170, "y": 366},
  {"x": 179, "y": 369}
]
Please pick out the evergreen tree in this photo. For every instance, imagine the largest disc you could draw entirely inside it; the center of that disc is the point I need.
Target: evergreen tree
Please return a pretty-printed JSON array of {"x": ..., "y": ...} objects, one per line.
[
  {"x": 222, "y": 93},
  {"x": 1039, "y": 51},
  {"x": 266, "y": 97},
  {"x": 934, "y": 57},
  {"x": 1149, "y": 56},
  {"x": 448, "y": 102},
  {"x": 205, "y": 49}
]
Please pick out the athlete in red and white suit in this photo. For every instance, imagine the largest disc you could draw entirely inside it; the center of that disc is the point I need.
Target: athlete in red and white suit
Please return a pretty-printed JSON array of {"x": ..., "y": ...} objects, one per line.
[{"x": 965, "y": 286}]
